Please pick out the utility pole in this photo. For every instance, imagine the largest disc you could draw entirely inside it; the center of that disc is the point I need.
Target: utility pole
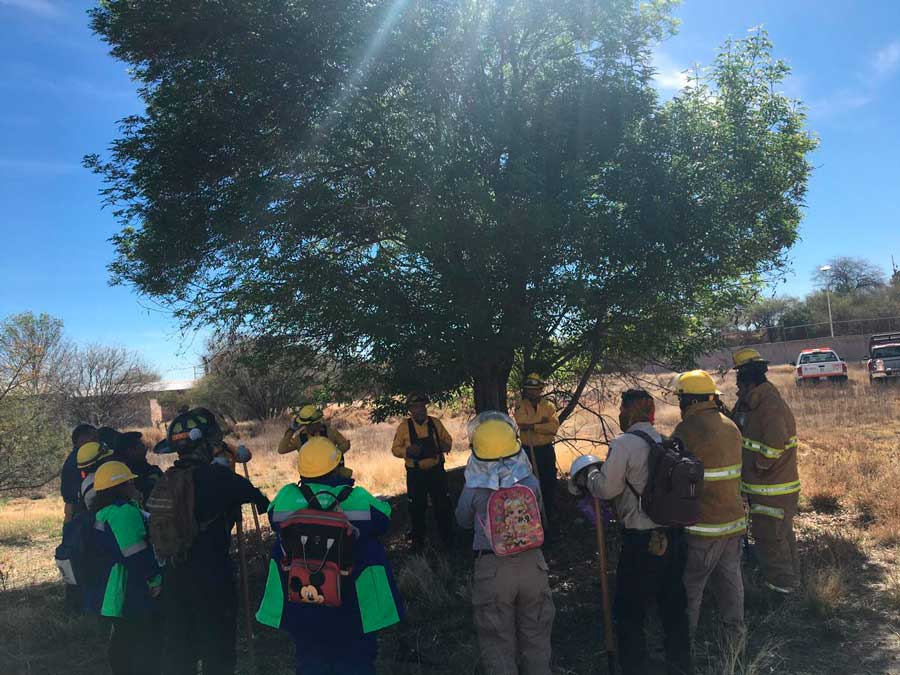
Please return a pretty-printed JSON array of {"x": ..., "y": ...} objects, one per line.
[{"x": 827, "y": 268}]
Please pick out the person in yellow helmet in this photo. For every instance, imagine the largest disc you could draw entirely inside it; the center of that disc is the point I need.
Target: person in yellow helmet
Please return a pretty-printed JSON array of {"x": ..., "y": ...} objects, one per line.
[
  {"x": 422, "y": 441},
  {"x": 125, "y": 578},
  {"x": 714, "y": 543},
  {"x": 90, "y": 456},
  {"x": 538, "y": 424},
  {"x": 307, "y": 423},
  {"x": 512, "y": 603},
  {"x": 769, "y": 479},
  {"x": 330, "y": 639}
]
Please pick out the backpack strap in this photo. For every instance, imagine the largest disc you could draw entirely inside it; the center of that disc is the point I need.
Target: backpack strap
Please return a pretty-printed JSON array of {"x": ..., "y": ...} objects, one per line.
[
  {"x": 312, "y": 498},
  {"x": 432, "y": 434},
  {"x": 648, "y": 439}
]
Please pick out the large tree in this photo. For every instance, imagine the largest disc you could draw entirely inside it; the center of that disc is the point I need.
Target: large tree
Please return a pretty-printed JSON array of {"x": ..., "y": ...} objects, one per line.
[{"x": 434, "y": 192}]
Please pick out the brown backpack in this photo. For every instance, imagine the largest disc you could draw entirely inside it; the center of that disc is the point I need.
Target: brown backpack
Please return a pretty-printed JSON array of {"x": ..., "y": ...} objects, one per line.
[{"x": 173, "y": 524}]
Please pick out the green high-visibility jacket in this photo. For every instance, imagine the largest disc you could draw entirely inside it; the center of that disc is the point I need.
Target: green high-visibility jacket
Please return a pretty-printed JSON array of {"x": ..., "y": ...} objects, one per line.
[{"x": 369, "y": 597}]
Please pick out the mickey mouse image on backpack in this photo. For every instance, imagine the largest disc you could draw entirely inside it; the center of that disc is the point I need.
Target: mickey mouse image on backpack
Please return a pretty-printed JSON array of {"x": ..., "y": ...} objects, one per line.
[{"x": 312, "y": 593}]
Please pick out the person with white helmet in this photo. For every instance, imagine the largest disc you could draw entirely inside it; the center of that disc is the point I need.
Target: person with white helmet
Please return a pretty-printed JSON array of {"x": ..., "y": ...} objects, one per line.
[
  {"x": 513, "y": 606},
  {"x": 714, "y": 543}
]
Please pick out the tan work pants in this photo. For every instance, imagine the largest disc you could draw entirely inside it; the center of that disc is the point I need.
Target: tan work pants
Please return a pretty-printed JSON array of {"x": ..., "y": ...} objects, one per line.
[
  {"x": 716, "y": 560},
  {"x": 514, "y": 613},
  {"x": 776, "y": 547}
]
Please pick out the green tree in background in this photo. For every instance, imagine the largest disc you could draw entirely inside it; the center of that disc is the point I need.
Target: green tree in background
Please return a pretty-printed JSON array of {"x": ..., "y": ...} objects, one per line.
[{"x": 433, "y": 192}]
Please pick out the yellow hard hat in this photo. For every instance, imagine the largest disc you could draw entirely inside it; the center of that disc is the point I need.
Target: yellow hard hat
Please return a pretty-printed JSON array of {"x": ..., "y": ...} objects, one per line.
[
  {"x": 112, "y": 474},
  {"x": 494, "y": 439},
  {"x": 90, "y": 453},
  {"x": 747, "y": 355},
  {"x": 318, "y": 457},
  {"x": 309, "y": 414},
  {"x": 696, "y": 382},
  {"x": 533, "y": 381}
]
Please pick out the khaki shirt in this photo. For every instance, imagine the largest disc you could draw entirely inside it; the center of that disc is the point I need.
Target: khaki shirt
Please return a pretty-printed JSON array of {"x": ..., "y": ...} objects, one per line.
[
  {"x": 544, "y": 419},
  {"x": 627, "y": 460},
  {"x": 291, "y": 440},
  {"x": 402, "y": 442}
]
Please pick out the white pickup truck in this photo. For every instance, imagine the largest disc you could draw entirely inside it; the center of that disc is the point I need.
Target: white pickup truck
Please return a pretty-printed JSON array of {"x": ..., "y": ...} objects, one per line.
[{"x": 820, "y": 365}]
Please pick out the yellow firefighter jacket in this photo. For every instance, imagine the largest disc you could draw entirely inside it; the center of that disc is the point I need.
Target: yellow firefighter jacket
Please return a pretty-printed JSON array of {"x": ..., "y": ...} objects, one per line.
[
  {"x": 716, "y": 441},
  {"x": 769, "y": 477},
  {"x": 292, "y": 440},
  {"x": 431, "y": 433},
  {"x": 544, "y": 419}
]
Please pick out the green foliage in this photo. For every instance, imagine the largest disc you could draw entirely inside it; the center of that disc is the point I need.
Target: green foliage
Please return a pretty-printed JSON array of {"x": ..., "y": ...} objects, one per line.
[
  {"x": 245, "y": 380},
  {"x": 846, "y": 275},
  {"x": 33, "y": 438},
  {"x": 431, "y": 192}
]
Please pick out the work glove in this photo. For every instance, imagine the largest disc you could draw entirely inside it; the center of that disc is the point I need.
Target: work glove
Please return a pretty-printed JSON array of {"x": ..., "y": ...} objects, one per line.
[{"x": 578, "y": 482}]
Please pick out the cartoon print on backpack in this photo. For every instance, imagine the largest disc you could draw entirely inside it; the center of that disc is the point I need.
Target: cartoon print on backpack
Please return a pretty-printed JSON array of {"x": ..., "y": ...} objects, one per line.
[
  {"x": 518, "y": 522},
  {"x": 312, "y": 592}
]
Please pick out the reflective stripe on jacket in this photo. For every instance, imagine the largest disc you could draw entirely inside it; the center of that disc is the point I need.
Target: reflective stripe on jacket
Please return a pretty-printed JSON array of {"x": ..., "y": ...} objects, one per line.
[
  {"x": 544, "y": 419},
  {"x": 369, "y": 597},
  {"x": 716, "y": 441},
  {"x": 769, "y": 433},
  {"x": 127, "y": 567}
]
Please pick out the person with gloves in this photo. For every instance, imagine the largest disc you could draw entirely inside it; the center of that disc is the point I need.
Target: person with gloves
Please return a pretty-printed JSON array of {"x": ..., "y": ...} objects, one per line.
[
  {"x": 652, "y": 558},
  {"x": 513, "y": 606}
]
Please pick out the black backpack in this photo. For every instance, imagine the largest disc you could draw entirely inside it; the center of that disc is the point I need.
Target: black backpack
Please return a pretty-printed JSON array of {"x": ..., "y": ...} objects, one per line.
[{"x": 671, "y": 497}]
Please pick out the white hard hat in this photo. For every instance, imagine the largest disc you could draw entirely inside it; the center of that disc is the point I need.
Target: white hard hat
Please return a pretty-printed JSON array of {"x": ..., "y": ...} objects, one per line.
[{"x": 578, "y": 466}]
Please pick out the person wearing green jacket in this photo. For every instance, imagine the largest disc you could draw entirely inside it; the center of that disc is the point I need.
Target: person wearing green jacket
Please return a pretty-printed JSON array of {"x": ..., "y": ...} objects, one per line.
[
  {"x": 124, "y": 578},
  {"x": 331, "y": 639}
]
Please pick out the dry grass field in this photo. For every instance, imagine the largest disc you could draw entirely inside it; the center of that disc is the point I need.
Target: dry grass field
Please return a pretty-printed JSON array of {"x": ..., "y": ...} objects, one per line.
[{"x": 847, "y": 620}]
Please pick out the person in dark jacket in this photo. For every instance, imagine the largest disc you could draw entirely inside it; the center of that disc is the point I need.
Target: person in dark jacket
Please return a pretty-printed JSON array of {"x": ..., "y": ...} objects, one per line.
[
  {"x": 124, "y": 580},
  {"x": 70, "y": 476},
  {"x": 130, "y": 448},
  {"x": 333, "y": 639},
  {"x": 200, "y": 599}
]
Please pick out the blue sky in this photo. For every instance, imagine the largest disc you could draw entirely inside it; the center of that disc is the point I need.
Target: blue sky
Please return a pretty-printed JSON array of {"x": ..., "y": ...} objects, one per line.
[{"x": 61, "y": 96}]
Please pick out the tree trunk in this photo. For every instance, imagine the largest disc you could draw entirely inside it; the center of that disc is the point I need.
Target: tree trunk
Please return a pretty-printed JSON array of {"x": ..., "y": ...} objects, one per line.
[{"x": 489, "y": 383}]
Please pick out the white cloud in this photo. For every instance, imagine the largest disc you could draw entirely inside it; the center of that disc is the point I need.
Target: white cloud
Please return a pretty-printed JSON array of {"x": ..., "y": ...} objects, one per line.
[
  {"x": 669, "y": 76},
  {"x": 887, "y": 59},
  {"x": 43, "y": 8}
]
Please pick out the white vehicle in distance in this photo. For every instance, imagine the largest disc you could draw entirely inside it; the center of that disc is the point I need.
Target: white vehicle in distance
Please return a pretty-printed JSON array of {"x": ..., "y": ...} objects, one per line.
[{"x": 820, "y": 365}]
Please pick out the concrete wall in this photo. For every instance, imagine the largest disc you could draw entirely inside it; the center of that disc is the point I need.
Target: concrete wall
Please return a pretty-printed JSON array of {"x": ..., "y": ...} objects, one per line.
[{"x": 849, "y": 347}]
